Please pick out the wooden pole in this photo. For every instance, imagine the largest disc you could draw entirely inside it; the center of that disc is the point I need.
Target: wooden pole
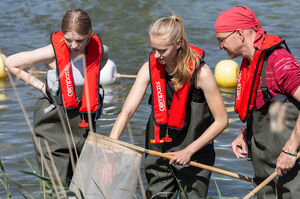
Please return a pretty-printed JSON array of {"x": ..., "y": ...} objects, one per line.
[
  {"x": 118, "y": 75},
  {"x": 163, "y": 155},
  {"x": 264, "y": 183},
  {"x": 203, "y": 166}
]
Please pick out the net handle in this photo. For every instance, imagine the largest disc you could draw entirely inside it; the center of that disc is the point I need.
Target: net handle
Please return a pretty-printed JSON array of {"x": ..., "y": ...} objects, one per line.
[{"x": 163, "y": 155}]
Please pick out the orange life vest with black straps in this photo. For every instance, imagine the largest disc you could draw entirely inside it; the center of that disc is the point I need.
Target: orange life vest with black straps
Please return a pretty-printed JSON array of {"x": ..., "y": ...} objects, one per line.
[
  {"x": 90, "y": 96},
  {"x": 177, "y": 113},
  {"x": 249, "y": 77}
]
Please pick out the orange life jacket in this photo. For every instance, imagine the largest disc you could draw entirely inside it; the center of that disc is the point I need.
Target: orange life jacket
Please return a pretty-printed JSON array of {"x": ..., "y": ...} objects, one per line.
[
  {"x": 177, "y": 113},
  {"x": 92, "y": 74},
  {"x": 249, "y": 77}
]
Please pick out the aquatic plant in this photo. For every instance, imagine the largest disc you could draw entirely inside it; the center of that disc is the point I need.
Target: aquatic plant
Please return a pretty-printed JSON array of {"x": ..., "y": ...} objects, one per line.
[
  {"x": 3, "y": 180},
  {"x": 46, "y": 185}
]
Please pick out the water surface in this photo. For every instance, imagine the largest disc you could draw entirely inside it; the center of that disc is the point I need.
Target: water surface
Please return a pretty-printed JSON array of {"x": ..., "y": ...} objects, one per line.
[{"x": 123, "y": 25}]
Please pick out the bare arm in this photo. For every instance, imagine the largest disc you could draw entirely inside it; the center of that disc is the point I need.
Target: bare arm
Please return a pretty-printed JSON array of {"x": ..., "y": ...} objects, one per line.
[
  {"x": 132, "y": 101},
  {"x": 206, "y": 81},
  {"x": 17, "y": 63},
  {"x": 286, "y": 162}
]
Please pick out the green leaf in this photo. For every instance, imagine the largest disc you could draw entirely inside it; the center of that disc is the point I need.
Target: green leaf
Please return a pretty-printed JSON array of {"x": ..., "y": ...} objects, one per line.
[
  {"x": 29, "y": 164},
  {"x": 23, "y": 188},
  {"x": 4, "y": 184},
  {"x": 99, "y": 188},
  {"x": 183, "y": 190},
  {"x": 81, "y": 194},
  {"x": 70, "y": 193},
  {"x": 219, "y": 193},
  {"x": 37, "y": 176}
]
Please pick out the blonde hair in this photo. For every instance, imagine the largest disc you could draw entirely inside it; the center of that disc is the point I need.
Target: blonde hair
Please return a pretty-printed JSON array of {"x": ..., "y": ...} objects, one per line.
[
  {"x": 76, "y": 20},
  {"x": 172, "y": 28}
]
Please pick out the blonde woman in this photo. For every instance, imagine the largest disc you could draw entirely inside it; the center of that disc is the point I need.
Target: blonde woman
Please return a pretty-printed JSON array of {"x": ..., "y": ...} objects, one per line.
[
  {"x": 187, "y": 112},
  {"x": 74, "y": 60}
]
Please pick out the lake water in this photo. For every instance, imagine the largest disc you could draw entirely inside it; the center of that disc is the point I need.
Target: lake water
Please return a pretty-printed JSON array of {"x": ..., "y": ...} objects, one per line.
[{"x": 123, "y": 25}]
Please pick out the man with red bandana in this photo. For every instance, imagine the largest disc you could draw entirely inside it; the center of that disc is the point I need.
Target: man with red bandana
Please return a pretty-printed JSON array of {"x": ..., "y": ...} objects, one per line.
[{"x": 269, "y": 73}]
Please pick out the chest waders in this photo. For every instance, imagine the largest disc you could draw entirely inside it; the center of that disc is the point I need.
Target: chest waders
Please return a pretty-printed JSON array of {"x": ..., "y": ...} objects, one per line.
[
  {"x": 49, "y": 127},
  {"x": 161, "y": 176},
  {"x": 266, "y": 146}
]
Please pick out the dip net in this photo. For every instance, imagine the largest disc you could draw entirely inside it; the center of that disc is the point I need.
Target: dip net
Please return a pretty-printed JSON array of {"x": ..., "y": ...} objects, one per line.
[{"x": 106, "y": 169}]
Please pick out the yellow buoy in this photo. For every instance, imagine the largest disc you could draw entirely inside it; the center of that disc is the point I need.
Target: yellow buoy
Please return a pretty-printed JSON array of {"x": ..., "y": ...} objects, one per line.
[
  {"x": 2, "y": 67},
  {"x": 226, "y": 72}
]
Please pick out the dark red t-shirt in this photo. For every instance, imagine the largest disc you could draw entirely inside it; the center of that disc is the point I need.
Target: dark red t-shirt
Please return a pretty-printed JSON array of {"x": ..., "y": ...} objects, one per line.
[{"x": 283, "y": 75}]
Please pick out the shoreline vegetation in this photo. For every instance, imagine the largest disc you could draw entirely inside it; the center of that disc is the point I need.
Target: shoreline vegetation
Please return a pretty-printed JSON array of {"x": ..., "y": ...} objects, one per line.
[{"x": 45, "y": 185}]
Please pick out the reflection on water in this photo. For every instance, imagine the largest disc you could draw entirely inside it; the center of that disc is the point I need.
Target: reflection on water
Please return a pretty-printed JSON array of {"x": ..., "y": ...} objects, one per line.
[
  {"x": 123, "y": 25},
  {"x": 3, "y": 96},
  {"x": 228, "y": 91}
]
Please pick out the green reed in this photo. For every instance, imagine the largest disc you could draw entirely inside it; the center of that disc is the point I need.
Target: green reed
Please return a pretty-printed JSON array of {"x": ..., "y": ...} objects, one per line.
[
  {"x": 45, "y": 184},
  {"x": 3, "y": 180}
]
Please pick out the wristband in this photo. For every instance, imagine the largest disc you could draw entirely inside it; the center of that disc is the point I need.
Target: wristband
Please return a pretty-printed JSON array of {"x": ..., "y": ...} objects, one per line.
[{"x": 289, "y": 153}]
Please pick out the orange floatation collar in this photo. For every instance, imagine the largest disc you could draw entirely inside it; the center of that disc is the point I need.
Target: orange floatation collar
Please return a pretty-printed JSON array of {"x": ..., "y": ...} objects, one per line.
[
  {"x": 249, "y": 77},
  {"x": 176, "y": 116},
  {"x": 92, "y": 72}
]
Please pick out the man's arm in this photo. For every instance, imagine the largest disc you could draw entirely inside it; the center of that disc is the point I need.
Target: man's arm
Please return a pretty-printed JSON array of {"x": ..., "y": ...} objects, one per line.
[{"x": 285, "y": 161}]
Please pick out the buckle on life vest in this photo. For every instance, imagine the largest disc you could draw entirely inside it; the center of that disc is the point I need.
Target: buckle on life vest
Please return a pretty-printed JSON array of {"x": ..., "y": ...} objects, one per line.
[
  {"x": 78, "y": 100},
  {"x": 167, "y": 138},
  {"x": 152, "y": 141},
  {"x": 83, "y": 124}
]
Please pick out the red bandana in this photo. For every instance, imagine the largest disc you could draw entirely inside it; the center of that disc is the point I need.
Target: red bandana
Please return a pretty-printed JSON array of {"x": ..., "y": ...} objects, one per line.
[{"x": 240, "y": 17}]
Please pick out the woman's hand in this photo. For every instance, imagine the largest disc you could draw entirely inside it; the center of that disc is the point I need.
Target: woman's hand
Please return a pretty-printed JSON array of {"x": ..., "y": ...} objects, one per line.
[
  {"x": 107, "y": 171},
  {"x": 181, "y": 157},
  {"x": 43, "y": 89}
]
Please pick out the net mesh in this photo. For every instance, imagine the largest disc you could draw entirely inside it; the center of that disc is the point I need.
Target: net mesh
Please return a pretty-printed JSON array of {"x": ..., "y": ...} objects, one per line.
[{"x": 106, "y": 169}]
